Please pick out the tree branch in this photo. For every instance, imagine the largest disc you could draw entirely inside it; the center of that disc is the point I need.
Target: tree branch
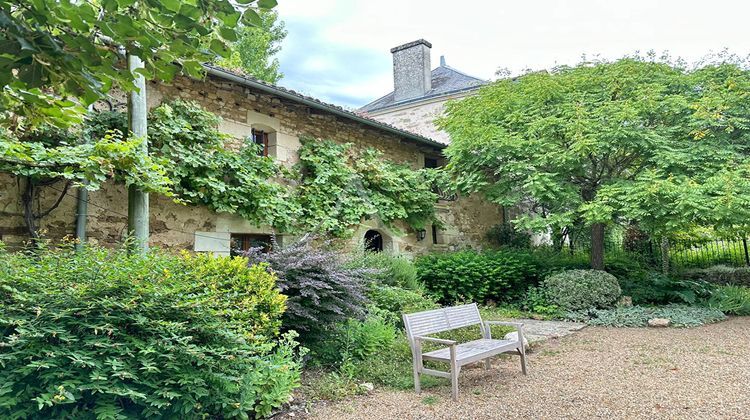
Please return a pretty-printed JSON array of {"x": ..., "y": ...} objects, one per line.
[{"x": 57, "y": 203}]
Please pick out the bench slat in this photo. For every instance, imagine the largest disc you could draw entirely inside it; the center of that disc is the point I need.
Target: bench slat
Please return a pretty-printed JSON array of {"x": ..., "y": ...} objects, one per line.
[
  {"x": 439, "y": 320},
  {"x": 472, "y": 351}
]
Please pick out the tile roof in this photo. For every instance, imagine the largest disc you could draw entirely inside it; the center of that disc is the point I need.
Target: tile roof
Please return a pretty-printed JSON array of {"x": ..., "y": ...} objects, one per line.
[
  {"x": 362, "y": 118},
  {"x": 445, "y": 81}
]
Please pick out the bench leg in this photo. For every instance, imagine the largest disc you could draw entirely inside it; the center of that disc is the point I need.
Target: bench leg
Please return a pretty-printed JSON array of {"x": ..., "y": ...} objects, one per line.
[
  {"x": 487, "y": 364},
  {"x": 417, "y": 384},
  {"x": 523, "y": 361},
  {"x": 454, "y": 381}
]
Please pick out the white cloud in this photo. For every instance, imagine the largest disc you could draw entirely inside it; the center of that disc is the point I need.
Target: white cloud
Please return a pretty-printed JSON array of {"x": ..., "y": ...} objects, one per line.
[{"x": 481, "y": 36}]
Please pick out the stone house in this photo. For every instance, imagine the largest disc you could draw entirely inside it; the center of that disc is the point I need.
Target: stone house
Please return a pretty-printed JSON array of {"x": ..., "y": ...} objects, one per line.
[
  {"x": 419, "y": 94},
  {"x": 277, "y": 118}
]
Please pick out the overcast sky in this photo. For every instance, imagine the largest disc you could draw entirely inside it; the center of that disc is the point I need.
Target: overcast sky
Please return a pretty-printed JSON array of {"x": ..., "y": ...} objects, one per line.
[{"x": 339, "y": 50}]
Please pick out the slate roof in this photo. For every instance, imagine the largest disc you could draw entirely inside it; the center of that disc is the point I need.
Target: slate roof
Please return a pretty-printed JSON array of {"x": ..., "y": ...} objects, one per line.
[
  {"x": 445, "y": 81},
  {"x": 289, "y": 94}
]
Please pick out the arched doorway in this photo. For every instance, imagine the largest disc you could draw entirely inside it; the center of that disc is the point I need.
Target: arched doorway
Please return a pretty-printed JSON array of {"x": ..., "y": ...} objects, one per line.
[{"x": 373, "y": 241}]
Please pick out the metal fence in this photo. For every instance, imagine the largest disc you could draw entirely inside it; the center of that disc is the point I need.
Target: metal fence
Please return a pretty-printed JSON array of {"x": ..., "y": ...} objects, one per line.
[{"x": 682, "y": 253}]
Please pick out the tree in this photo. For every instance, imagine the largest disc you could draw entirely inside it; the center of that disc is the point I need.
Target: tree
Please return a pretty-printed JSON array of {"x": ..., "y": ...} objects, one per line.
[
  {"x": 254, "y": 52},
  {"x": 603, "y": 142},
  {"x": 60, "y": 56}
]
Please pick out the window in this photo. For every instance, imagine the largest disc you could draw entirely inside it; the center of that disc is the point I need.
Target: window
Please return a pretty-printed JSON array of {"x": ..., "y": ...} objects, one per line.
[
  {"x": 434, "y": 234},
  {"x": 430, "y": 162},
  {"x": 261, "y": 139},
  {"x": 241, "y": 242}
]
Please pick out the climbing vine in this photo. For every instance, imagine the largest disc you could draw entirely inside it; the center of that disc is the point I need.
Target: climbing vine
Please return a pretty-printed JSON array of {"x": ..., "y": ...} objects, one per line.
[
  {"x": 339, "y": 187},
  {"x": 205, "y": 171}
]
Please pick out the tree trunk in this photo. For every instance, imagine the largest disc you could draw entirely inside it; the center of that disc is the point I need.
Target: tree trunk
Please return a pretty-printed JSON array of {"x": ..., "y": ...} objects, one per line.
[
  {"x": 27, "y": 200},
  {"x": 597, "y": 246}
]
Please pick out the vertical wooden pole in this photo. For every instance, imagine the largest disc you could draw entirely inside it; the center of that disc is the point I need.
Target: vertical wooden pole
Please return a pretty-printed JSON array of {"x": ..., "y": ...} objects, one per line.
[{"x": 138, "y": 227}]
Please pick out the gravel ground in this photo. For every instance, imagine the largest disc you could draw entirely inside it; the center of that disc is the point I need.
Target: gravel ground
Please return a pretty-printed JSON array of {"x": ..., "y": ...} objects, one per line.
[{"x": 700, "y": 372}]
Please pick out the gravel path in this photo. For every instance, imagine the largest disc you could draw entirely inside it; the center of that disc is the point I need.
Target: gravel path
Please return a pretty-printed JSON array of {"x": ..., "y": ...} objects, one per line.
[{"x": 595, "y": 373}]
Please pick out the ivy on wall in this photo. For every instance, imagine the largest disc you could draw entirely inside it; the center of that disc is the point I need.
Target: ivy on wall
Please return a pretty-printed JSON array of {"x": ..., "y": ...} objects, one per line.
[
  {"x": 339, "y": 187},
  {"x": 336, "y": 187}
]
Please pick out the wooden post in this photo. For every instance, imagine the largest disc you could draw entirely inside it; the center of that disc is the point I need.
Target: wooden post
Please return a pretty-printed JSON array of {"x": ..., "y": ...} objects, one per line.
[
  {"x": 138, "y": 227},
  {"x": 747, "y": 256}
]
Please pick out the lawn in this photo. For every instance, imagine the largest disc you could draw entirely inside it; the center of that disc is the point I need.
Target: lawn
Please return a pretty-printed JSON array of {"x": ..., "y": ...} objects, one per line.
[{"x": 697, "y": 372}]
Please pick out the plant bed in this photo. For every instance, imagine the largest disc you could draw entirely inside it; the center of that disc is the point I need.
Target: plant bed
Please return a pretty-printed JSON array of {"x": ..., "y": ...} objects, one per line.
[{"x": 681, "y": 316}]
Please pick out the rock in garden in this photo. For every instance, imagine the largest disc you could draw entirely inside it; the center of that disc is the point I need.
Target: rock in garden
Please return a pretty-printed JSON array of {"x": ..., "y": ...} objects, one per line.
[
  {"x": 513, "y": 336},
  {"x": 366, "y": 387},
  {"x": 625, "y": 301},
  {"x": 659, "y": 322}
]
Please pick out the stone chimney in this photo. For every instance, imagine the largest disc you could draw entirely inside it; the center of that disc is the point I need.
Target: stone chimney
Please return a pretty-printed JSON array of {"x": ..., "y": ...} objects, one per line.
[{"x": 411, "y": 70}]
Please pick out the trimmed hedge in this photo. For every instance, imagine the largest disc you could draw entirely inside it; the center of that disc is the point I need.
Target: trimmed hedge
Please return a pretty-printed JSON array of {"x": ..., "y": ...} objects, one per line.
[
  {"x": 477, "y": 276},
  {"x": 109, "y": 335},
  {"x": 577, "y": 290},
  {"x": 720, "y": 274}
]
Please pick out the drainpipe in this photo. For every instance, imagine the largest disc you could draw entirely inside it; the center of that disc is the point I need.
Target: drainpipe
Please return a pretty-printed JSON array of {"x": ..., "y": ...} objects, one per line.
[{"x": 81, "y": 217}]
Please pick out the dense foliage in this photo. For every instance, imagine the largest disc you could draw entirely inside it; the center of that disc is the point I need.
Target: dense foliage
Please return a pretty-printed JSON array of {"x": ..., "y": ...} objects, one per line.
[
  {"x": 720, "y": 274},
  {"x": 477, "y": 277},
  {"x": 388, "y": 269},
  {"x": 254, "y": 51},
  {"x": 322, "y": 289},
  {"x": 338, "y": 188},
  {"x": 74, "y": 48},
  {"x": 582, "y": 289},
  {"x": 658, "y": 289},
  {"x": 638, "y": 316},
  {"x": 109, "y": 335},
  {"x": 602, "y": 142},
  {"x": 206, "y": 170},
  {"x": 733, "y": 300}
]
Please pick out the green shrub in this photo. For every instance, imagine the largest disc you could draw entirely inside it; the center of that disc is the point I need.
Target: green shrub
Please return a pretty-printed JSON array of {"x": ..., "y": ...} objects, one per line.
[
  {"x": 638, "y": 316},
  {"x": 582, "y": 289},
  {"x": 106, "y": 334},
  {"x": 392, "y": 302},
  {"x": 477, "y": 277},
  {"x": 720, "y": 274},
  {"x": 733, "y": 300},
  {"x": 322, "y": 289},
  {"x": 390, "y": 270},
  {"x": 354, "y": 340},
  {"x": 538, "y": 302},
  {"x": 658, "y": 289}
]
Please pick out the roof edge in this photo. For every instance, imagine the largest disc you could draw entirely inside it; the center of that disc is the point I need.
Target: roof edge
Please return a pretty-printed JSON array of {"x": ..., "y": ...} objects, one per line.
[
  {"x": 313, "y": 103},
  {"x": 420, "y": 99}
]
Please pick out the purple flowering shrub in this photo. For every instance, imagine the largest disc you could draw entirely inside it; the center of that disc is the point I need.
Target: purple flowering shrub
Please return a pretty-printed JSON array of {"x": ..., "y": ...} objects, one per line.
[{"x": 322, "y": 288}]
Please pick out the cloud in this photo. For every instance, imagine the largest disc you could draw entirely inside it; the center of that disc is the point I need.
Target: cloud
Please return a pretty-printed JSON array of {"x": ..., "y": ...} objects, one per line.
[{"x": 338, "y": 50}]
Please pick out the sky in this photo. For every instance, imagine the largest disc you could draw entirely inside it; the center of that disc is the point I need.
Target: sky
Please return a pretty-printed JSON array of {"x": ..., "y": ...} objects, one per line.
[{"x": 339, "y": 51}]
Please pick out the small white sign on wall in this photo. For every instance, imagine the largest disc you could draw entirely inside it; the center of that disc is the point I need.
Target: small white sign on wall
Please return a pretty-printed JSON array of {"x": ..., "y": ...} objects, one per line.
[{"x": 217, "y": 243}]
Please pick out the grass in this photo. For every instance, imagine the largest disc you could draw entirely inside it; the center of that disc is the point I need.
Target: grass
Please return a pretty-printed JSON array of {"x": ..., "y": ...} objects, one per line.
[{"x": 392, "y": 368}]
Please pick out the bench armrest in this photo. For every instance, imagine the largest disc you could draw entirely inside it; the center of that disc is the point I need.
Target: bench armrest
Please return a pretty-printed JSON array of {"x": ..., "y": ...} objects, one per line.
[{"x": 436, "y": 340}]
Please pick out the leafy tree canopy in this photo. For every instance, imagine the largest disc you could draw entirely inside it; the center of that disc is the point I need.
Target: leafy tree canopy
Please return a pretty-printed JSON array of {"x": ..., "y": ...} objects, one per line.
[
  {"x": 256, "y": 47},
  {"x": 635, "y": 139}
]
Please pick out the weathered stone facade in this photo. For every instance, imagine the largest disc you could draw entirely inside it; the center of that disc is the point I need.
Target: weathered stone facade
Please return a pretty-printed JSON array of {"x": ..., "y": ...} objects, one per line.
[
  {"x": 419, "y": 117},
  {"x": 242, "y": 108}
]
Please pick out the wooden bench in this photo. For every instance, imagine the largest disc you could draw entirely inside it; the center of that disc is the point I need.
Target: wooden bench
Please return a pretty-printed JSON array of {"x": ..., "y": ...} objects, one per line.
[{"x": 422, "y": 324}]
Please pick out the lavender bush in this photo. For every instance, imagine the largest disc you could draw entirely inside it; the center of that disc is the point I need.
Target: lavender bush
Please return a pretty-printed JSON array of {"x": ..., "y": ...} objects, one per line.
[{"x": 322, "y": 288}]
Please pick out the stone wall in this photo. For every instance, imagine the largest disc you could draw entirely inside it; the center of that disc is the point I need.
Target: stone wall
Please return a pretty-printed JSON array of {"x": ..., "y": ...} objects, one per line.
[
  {"x": 175, "y": 226},
  {"x": 419, "y": 117}
]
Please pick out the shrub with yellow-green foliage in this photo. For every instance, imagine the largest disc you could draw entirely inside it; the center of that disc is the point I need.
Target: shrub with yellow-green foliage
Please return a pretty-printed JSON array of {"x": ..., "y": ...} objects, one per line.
[{"x": 109, "y": 335}]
